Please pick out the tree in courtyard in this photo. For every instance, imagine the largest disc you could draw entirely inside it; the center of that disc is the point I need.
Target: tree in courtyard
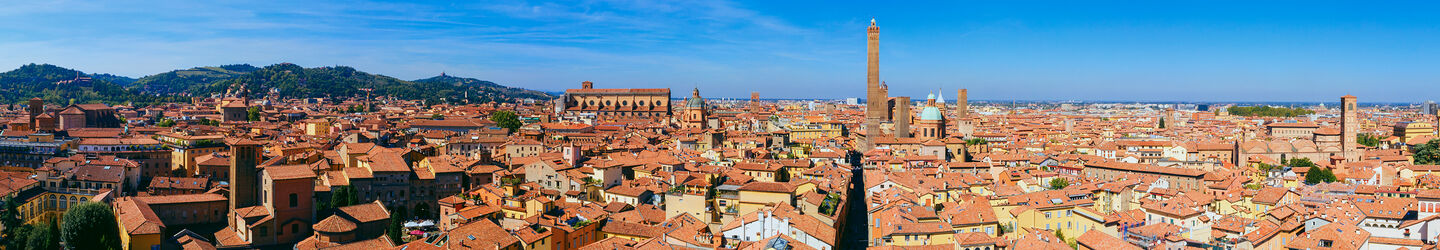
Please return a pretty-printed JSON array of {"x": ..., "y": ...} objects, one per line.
[
  {"x": 1317, "y": 175},
  {"x": 165, "y": 122},
  {"x": 1367, "y": 139},
  {"x": 90, "y": 225},
  {"x": 395, "y": 230},
  {"x": 343, "y": 196},
  {"x": 44, "y": 236},
  {"x": 1059, "y": 183},
  {"x": 253, "y": 114},
  {"x": 507, "y": 120},
  {"x": 17, "y": 237},
  {"x": 1300, "y": 163},
  {"x": 1428, "y": 153}
]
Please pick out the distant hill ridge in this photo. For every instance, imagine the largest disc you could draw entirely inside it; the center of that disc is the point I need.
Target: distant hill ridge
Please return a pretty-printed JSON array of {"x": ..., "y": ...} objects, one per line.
[{"x": 284, "y": 80}]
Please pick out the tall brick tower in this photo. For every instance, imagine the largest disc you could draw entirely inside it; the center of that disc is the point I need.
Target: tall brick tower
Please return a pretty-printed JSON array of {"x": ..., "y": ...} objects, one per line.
[
  {"x": 36, "y": 107},
  {"x": 755, "y": 102},
  {"x": 244, "y": 156},
  {"x": 902, "y": 117},
  {"x": 963, "y": 125},
  {"x": 876, "y": 103},
  {"x": 962, "y": 104},
  {"x": 1348, "y": 121}
]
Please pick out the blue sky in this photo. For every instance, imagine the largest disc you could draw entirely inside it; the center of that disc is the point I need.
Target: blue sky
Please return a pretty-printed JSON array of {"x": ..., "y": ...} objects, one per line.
[{"x": 1000, "y": 50}]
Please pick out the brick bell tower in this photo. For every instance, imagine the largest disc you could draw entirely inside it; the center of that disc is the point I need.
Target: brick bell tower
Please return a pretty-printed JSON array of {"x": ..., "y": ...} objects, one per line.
[{"x": 876, "y": 100}]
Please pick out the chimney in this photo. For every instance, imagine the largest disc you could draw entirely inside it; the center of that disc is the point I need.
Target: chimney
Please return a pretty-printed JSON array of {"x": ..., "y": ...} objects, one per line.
[{"x": 587, "y": 85}]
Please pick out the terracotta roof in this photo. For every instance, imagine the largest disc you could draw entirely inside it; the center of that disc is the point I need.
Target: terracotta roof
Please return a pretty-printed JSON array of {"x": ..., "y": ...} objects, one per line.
[
  {"x": 335, "y": 224},
  {"x": 1094, "y": 239},
  {"x": 368, "y": 212},
  {"x": 288, "y": 172},
  {"x": 772, "y": 187}
]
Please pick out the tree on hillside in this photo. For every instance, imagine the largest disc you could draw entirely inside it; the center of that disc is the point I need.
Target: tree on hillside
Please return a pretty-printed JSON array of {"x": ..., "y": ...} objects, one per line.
[
  {"x": 507, "y": 120},
  {"x": 90, "y": 225},
  {"x": 1428, "y": 153}
]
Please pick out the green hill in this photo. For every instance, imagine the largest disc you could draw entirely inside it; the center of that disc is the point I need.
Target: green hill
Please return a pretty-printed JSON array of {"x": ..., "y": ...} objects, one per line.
[
  {"x": 284, "y": 80},
  {"x": 293, "y": 81},
  {"x": 484, "y": 88},
  {"x": 119, "y": 80},
  {"x": 189, "y": 80},
  {"x": 43, "y": 80}
]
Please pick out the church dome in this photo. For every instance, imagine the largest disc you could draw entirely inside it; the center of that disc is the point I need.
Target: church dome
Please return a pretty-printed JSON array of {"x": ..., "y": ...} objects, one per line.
[
  {"x": 695, "y": 102},
  {"x": 930, "y": 113}
]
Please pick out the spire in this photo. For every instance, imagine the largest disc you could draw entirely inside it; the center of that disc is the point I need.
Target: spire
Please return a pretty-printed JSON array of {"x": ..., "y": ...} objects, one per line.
[
  {"x": 872, "y": 22},
  {"x": 940, "y": 98}
]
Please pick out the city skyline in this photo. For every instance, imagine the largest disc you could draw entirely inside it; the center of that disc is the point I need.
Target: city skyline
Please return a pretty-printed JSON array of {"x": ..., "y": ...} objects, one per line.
[{"x": 1178, "y": 52}]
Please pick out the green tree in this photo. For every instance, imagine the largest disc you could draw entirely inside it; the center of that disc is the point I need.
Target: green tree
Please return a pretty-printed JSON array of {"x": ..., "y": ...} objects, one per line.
[
  {"x": 507, "y": 120},
  {"x": 343, "y": 196},
  {"x": 9, "y": 218},
  {"x": 1428, "y": 153},
  {"x": 1059, "y": 183},
  {"x": 1367, "y": 139},
  {"x": 1317, "y": 175},
  {"x": 1269, "y": 111},
  {"x": 975, "y": 141},
  {"x": 17, "y": 237},
  {"x": 165, "y": 122},
  {"x": 1301, "y": 163},
  {"x": 396, "y": 228},
  {"x": 45, "y": 236},
  {"x": 1266, "y": 167},
  {"x": 1162, "y": 122},
  {"x": 90, "y": 225},
  {"x": 253, "y": 114},
  {"x": 437, "y": 116}
]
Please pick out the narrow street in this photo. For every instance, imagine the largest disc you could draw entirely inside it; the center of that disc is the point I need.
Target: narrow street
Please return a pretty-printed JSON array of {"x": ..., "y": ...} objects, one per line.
[{"x": 857, "y": 219}]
